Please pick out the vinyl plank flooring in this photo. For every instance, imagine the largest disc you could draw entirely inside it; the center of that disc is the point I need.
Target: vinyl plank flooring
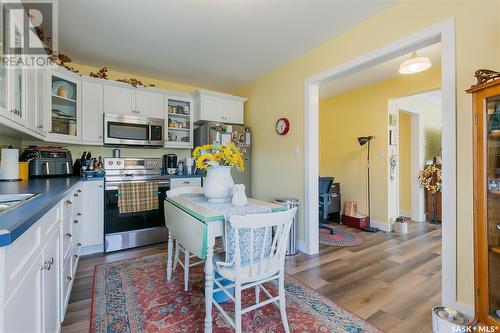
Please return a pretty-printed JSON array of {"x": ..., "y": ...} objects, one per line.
[{"x": 391, "y": 280}]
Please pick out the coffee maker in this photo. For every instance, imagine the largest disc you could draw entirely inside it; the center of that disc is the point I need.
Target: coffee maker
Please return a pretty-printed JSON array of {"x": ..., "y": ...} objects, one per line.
[{"x": 169, "y": 162}]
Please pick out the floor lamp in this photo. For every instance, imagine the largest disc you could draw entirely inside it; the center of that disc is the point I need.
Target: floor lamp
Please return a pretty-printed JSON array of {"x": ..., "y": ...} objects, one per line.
[{"x": 362, "y": 141}]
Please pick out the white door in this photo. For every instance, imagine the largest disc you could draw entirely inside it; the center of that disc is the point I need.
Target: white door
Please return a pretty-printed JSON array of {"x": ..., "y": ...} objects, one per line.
[
  {"x": 119, "y": 100},
  {"x": 92, "y": 112},
  {"x": 233, "y": 112},
  {"x": 51, "y": 276},
  {"x": 23, "y": 311},
  {"x": 93, "y": 214},
  {"x": 149, "y": 104},
  {"x": 212, "y": 108}
]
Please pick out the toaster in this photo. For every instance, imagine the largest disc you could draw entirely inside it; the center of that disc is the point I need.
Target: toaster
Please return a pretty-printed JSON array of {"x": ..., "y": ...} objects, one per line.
[{"x": 47, "y": 161}]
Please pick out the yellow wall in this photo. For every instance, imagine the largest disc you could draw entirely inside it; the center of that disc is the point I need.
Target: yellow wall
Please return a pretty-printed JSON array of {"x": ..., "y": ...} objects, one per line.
[
  {"x": 362, "y": 112},
  {"x": 277, "y": 171},
  {"x": 404, "y": 163}
]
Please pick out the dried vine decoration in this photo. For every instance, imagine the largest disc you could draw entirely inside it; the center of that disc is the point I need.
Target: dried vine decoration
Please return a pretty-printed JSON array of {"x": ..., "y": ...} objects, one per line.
[
  {"x": 101, "y": 74},
  {"x": 485, "y": 75},
  {"x": 134, "y": 82}
]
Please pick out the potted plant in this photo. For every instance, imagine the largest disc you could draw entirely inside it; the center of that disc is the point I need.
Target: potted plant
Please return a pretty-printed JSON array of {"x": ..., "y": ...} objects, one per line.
[
  {"x": 431, "y": 179},
  {"x": 400, "y": 225},
  {"x": 218, "y": 159}
]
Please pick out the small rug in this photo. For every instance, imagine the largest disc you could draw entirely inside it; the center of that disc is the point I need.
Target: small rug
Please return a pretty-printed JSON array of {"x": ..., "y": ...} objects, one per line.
[
  {"x": 134, "y": 296},
  {"x": 342, "y": 237}
]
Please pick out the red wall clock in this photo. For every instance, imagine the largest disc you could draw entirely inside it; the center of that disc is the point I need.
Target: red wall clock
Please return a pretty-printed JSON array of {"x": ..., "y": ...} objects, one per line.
[{"x": 282, "y": 126}]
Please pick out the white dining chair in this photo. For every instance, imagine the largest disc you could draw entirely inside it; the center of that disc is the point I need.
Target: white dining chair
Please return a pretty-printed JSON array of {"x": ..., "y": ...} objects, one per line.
[
  {"x": 264, "y": 265},
  {"x": 179, "y": 247}
]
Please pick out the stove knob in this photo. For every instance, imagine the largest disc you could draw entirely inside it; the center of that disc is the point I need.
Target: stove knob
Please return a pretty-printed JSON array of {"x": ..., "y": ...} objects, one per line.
[
  {"x": 118, "y": 162},
  {"x": 110, "y": 162}
]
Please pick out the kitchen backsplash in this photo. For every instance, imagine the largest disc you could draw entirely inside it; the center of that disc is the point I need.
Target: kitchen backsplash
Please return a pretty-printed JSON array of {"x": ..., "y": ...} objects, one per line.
[{"x": 77, "y": 150}]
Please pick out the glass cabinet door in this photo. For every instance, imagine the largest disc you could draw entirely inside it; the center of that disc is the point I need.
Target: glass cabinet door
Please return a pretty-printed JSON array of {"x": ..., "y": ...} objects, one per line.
[
  {"x": 3, "y": 72},
  {"x": 64, "y": 111},
  {"x": 179, "y": 124},
  {"x": 493, "y": 204}
]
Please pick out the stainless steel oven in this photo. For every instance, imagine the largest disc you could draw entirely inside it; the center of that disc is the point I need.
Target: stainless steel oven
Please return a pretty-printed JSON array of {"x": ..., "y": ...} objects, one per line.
[
  {"x": 132, "y": 131},
  {"x": 128, "y": 230}
]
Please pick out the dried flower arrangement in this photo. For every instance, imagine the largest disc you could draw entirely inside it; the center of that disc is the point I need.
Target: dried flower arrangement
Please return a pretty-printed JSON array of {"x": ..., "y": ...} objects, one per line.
[
  {"x": 134, "y": 82},
  {"x": 431, "y": 178},
  {"x": 101, "y": 74}
]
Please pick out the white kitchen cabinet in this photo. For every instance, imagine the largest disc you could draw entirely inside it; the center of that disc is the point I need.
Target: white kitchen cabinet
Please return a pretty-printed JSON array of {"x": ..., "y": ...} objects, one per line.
[
  {"x": 179, "y": 122},
  {"x": 92, "y": 112},
  {"x": 64, "y": 106},
  {"x": 35, "y": 101},
  {"x": 148, "y": 104},
  {"x": 212, "y": 106},
  {"x": 132, "y": 101},
  {"x": 119, "y": 100},
  {"x": 92, "y": 224},
  {"x": 184, "y": 182}
]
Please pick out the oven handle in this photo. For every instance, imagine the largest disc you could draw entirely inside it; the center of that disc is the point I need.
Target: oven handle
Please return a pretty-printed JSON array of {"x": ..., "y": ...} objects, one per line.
[{"x": 114, "y": 185}]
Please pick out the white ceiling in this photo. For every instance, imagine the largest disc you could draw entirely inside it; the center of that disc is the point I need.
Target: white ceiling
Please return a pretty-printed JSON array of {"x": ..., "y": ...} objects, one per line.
[
  {"x": 220, "y": 45},
  {"x": 381, "y": 72}
]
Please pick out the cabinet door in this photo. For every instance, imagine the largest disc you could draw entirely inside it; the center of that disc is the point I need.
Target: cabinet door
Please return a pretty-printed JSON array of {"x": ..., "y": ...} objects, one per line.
[
  {"x": 16, "y": 76},
  {"x": 65, "y": 115},
  {"x": 149, "y": 104},
  {"x": 23, "y": 312},
  {"x": 93, "y": 214},
  {"x": 119, "y": 100},
  {"x": 92, "y": 112},
  {"x": 41, "y": 98},
  {"x": 51, "y": 290},
  {"x": 31, "y": 99},
  {"x": 212, "y": 108},
  {"x": 233, "y": 112}
]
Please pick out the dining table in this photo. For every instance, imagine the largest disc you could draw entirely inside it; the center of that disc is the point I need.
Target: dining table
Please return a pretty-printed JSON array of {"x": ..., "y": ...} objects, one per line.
[{"x": 196, "y": 224}]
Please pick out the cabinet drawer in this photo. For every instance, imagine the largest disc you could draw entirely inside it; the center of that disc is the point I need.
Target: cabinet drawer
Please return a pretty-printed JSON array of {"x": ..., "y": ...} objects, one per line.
[
  {"x": 182, "y": 182},
  {"x": 50, "y": 222}
]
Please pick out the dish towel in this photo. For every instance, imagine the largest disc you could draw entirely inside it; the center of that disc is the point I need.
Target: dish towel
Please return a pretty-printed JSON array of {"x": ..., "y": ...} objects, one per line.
[
  {"x": 137, "y": 197},
  {"x": 228, "y": 210}
]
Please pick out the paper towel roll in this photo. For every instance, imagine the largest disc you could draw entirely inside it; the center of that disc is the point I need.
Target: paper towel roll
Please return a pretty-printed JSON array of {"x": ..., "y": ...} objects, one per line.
[{"x": 9, "y": 164}]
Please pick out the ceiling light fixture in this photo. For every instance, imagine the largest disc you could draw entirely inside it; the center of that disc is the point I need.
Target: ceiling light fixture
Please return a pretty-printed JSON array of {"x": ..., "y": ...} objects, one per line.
[{"x": 414, "y": 64}]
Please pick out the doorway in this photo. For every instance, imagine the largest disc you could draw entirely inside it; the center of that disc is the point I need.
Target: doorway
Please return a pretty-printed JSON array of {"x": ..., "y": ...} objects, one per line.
[{"x": 443, "y": 32}]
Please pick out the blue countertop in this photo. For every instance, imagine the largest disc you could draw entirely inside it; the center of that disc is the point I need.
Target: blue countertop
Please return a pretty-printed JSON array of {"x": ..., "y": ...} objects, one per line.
[{"x": 16, "y": 221}]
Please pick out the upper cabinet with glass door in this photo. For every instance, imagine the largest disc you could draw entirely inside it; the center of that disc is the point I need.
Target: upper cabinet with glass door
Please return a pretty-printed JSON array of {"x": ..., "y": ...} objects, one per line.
[
  {"x": 64, "y": 118},
  {"x": 486, "y": 99},
  {"x": 179, "y": 122}
]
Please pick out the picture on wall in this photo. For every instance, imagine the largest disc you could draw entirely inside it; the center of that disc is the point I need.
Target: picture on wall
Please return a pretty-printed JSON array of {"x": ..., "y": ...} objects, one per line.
[{"x": 393, "y": 138}]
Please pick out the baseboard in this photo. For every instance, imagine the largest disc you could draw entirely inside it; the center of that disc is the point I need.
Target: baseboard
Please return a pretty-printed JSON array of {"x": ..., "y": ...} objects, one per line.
[
  {"x": 381, "y": 225},
  {"x": 92, "y": 249}
]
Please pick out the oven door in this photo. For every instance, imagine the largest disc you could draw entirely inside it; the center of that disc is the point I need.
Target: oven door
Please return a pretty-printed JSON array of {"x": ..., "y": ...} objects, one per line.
[{"x": 128, "y": 230}]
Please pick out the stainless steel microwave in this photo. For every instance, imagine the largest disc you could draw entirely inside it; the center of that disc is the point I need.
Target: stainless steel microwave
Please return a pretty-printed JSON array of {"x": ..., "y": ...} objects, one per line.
[{"x": 128, "y": 130}]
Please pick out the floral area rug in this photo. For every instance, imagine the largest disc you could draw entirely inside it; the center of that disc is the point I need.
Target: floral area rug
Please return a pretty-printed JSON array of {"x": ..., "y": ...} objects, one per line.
[
  {"x": 343, "y": 236},
  {"x": 134, "y": 296}
]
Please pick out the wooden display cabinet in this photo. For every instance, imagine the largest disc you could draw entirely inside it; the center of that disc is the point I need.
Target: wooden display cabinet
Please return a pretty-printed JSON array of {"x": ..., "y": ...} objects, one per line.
[{"x": 486, "y": 119}]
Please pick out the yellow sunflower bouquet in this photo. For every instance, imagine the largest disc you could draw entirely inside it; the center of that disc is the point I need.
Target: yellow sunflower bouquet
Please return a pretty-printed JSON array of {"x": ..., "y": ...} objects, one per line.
[{"x": 216, "y": 155}]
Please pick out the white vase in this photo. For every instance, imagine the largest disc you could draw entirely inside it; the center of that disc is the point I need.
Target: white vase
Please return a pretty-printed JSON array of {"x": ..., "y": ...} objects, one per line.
[{"x": 218, "y": 184}]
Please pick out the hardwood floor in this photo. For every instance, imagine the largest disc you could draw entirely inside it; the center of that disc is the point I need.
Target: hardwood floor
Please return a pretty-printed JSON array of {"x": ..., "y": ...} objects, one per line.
[{"x": 391, "y": 280}]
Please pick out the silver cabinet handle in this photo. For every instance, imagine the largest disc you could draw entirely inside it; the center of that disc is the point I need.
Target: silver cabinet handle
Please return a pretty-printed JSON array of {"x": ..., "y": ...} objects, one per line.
[
  {"x": 68, "y": 235},
  {"x": 47, "y": 264},
  {"x": 68, "y": 202},
  {"x": 75, "y": 221},
  {"x": 79, "y": 244},
  {"x": 186, "y": 182},
  {"x": 40, "y": 126},
  {"x": 75, "y": 195},
  {"x": 68, "y": 279},
  {"x": 79, "y": 214},
  {"x": 79, "y": 191},
  {"x": 75, "y": 256},
  {"x": 498, "y": 226}
]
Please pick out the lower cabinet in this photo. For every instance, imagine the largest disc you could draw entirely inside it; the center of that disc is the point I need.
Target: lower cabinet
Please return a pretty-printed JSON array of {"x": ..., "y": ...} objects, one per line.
[
  {"x": 92, "y": 228},
  {"x": 38, "y": 269}
]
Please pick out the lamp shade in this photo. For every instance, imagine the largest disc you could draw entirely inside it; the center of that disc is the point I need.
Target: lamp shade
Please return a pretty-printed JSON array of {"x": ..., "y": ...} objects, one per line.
[
  {"x": 364, "y": 139},
  {"x": 414, "y": 64}
]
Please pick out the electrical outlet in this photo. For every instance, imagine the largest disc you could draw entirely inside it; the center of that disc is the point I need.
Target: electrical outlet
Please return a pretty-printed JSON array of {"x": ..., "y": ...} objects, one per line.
[{"x": 296, "y": 150}]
